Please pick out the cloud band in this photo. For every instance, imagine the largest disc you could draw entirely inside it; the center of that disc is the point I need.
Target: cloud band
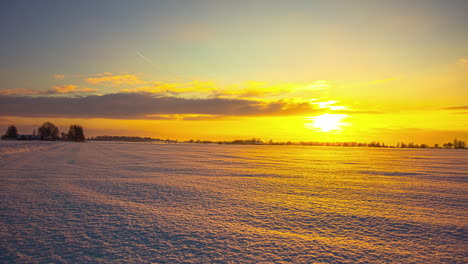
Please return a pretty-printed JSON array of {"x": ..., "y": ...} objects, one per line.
[{"x": 143, "y": 106}]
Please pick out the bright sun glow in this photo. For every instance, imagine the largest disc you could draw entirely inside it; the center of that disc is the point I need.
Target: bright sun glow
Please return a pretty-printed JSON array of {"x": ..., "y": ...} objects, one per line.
[{"x": 327, "y": 122}]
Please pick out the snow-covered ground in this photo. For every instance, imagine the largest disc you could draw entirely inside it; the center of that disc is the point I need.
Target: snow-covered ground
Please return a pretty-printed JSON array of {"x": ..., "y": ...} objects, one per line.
[
  {"x": 180, "y": 203},
  {"x": 7, "y": 148}
]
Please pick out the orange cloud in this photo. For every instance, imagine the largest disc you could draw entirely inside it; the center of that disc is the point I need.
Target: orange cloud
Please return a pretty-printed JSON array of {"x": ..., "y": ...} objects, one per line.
[
  {"x": 130, "y": 79},
  {"x": 87, "y": 89},
  {"x": 64, "y": 88},
  {"x": 70, "y": 89},
  {"x": 246, "y": 90},
  {"x": 21, "y": 91},
  {"x": 262, "y": 90}
]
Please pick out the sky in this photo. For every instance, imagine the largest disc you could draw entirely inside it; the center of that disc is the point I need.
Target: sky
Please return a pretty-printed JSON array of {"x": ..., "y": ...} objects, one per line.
[{"x": 221, "y": 70}]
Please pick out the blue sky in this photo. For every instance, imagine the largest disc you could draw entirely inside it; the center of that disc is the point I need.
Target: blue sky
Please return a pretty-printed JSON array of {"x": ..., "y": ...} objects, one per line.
[{"x": 227, "y": 40}]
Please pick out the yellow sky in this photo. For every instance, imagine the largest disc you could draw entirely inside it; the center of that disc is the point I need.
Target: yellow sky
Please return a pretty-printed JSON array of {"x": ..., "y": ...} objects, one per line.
[
  {"x": 288, "y": 71},
  {"x": 414, "y": 107}
]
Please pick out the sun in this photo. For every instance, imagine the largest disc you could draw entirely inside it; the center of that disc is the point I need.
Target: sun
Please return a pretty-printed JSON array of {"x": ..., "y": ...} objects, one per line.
[{"x": 327, "y": 122}]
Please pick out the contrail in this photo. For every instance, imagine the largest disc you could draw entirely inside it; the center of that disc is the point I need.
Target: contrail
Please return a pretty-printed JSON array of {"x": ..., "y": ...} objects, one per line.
[{"x": 141, "y": 55}]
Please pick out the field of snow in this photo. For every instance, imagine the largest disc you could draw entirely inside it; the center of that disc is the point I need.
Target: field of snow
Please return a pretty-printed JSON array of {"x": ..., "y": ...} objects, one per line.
[{"x": 102, "y": 202}]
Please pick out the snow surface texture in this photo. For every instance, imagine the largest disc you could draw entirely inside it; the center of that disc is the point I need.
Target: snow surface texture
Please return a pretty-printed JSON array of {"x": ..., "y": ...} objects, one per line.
[
  {"x": 181, "y": 203},
  {"x": 7, "y": 148}
]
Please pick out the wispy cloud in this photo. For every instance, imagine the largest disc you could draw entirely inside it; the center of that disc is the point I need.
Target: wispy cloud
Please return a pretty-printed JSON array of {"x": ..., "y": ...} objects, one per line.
[
  {"x": 254, "y": 89},
  {"x": 129, "y": 79},
  {"x": 246, "y": 90},
  {"x": 193, "y": 89},
  {"x": 458, "y": 109},
  {"x": 464, "y": 107}
]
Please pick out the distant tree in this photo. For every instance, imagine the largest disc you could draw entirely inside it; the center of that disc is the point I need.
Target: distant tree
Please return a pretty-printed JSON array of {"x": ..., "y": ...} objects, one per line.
[
  {"x": 75, "y": 133},
  {"x": 436, "y": 145},
  {"x": 11, "y": 133},
  {"x": 462, "y": 144},
  {"x": 63, "y": 136},
  {"x": 458, "y": 144},
  {"x": 48, "y": 131},
  {"x": 448, "y": 145}
]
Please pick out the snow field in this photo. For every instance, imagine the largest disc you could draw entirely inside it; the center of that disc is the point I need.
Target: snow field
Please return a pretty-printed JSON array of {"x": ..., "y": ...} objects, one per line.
[{"x": 105, "y": 202}]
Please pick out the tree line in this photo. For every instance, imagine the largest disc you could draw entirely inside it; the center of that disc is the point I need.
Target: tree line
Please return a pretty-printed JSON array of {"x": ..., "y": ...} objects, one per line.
[
  {"x": 124, "y": 138},
  {"x": 131, "y": 139},
  {"x": 457, "y": 144},
  {"x": 48, "y": 131}
]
